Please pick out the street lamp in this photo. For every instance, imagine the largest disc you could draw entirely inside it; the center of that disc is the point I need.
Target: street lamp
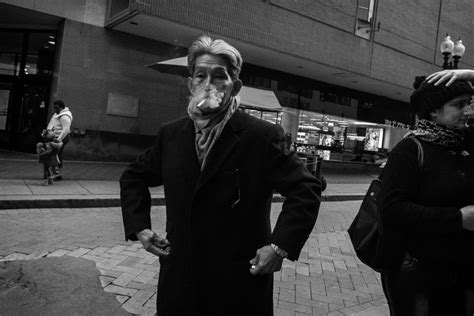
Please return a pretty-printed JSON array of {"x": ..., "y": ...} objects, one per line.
[{"x": 456, "y": 49}]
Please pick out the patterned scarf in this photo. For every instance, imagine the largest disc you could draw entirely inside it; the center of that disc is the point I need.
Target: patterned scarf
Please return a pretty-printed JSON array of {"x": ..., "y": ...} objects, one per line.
[
  {"x": 209, "y": 127},
  {"x": 444, "y": 135}
]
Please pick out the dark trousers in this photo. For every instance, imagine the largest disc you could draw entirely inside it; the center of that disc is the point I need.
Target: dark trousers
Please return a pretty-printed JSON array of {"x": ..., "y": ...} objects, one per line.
[
  {"x": 428, "y": 292},
  {"x": 60, "y": 152}
]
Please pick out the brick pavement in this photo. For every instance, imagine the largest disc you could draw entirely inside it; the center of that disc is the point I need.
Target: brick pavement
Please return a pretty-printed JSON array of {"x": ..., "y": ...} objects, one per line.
[{"x": 327, "y": 280}]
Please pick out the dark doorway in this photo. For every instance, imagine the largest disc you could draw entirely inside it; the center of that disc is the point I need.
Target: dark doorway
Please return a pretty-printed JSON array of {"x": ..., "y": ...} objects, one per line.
[
  {"x": 31, "y": 114},
  {"x": 26, "y": 68},
  {"x": 27, "y": 56}
]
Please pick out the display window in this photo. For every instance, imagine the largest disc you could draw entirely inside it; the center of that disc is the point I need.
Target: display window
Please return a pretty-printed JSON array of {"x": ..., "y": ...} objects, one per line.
[
  {"x": 373, "y": 139},
  {"x": 332, "y": 137},
  {"x": 269, "y": 116},
  {"x": 339, "y": 138}
]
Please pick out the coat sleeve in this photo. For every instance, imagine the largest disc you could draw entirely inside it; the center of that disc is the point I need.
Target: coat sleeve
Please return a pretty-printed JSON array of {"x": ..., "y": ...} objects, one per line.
[
  {"x": 66, "y": 126},
  {"x": 287, "y": 174},
  {"x": 144, "y": 172},
  {"x": 398, "y": 196}
]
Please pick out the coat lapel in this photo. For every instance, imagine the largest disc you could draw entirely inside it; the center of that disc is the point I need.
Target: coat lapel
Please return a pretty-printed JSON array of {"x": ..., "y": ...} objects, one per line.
[
  {"x": 185, "y": 142},
  {"x": 224, "y": 145}
]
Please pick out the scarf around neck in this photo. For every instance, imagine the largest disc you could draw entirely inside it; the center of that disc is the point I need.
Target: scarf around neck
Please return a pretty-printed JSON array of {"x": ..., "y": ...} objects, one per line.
[
  {"x": 444, "y": 135},
  {"x": 208, "y": 128}
]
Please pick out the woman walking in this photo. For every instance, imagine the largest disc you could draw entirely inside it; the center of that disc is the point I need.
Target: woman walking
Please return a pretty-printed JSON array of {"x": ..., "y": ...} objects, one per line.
[{"x": 432, "y": 205}]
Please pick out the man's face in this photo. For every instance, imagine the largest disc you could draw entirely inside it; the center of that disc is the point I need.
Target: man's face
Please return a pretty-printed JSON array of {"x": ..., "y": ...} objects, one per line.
[
  {"x": 455, "y": 112},
  {"x": 211, "y": 85},
  {"x": 56, "y": 108}
]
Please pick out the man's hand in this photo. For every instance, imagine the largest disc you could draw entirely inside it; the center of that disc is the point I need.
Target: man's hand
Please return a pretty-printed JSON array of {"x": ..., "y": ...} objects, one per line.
[
  {"x": 266, "y": 261},
  {"x": 153, "y": 243},
  {"x": 451, "y": 75}
]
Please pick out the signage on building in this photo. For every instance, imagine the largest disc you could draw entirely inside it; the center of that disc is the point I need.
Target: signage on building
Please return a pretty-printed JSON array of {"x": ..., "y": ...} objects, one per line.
[{"x": 397, "y": 124}]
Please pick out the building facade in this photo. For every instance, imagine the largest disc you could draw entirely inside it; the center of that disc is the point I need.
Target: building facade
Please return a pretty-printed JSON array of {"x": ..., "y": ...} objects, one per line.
[{"x": 342, "y": 70}]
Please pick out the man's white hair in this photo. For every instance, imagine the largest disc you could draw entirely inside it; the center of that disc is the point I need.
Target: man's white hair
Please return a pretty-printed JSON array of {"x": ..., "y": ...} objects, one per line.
[{"x": 206, "y": 45}]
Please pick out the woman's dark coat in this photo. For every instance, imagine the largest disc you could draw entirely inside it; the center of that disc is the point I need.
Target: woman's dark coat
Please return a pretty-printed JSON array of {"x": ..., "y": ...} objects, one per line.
[
  {"x": 424, "y": 204},
  {"x": 218, "y": 218}
]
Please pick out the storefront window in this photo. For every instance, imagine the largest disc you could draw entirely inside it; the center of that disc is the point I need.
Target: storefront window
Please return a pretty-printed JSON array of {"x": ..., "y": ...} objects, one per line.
[
  {"x": 328, "y": 120},
  {"x": 338, "y": 138},
  {"x": 10, "y": 52},
  {"x": 269, "y": 116},
  {"x": 40, "y": 54},
  {"x": 39, "y": 51},
  {"x": 4, "y": 99},
  {"x": 373, "y": 139}
]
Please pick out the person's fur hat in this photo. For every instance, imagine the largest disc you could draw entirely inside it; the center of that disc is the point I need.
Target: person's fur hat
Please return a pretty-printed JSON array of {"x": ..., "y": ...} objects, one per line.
[{"x": 427, "y": 97}]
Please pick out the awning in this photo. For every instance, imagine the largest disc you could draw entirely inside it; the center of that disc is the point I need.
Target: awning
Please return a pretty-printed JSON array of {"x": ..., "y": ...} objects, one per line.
[
  {"x": 253, "y": 98},
  {"x": 259, "y": 99},
  {"x": 176, "y": 66}
]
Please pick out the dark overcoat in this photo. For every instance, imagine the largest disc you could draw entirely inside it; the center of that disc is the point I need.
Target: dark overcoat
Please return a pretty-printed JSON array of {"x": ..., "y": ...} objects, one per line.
[{"x": 217, "y": 218}]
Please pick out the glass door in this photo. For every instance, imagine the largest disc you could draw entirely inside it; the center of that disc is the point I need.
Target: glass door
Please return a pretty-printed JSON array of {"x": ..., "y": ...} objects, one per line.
[
  {"x": 26, "y": 65},
  {"x": 4, "y": 99},
  {"x": 32, "y": 116},
  {"x": 6, "y": 117}
]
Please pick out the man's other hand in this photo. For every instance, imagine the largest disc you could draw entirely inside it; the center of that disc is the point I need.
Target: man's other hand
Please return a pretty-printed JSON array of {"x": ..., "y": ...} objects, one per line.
[
  {"x": 153, "y": 243},
  {"x": 266, "y": 261}
]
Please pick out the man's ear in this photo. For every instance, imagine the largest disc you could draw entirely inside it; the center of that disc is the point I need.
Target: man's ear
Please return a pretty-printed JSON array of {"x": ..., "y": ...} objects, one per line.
[
  {"x": 190, "y": 84},
  {"x": 237, "y": 85}
]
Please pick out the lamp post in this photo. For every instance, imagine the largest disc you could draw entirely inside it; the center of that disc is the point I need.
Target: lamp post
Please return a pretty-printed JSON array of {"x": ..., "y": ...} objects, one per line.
[{"x": 448, "y": 47}]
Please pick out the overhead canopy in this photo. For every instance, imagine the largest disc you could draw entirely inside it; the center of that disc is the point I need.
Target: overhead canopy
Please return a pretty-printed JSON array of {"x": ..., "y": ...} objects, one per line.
[
  {"x": 259, "y": 99},
  {"x": 176, "y": 66}
]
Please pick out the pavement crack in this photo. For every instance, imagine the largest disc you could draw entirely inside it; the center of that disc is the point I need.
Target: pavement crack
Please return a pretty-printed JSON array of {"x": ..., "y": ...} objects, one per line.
[{"x": 21, "y": 274}]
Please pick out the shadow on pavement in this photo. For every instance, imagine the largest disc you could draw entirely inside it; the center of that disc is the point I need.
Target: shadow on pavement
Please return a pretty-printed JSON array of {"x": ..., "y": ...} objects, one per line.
[{"x": 54, "y": 286}]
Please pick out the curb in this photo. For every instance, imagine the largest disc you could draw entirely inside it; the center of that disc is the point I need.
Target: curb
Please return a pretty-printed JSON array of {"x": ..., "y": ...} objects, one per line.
[{"x": 115, "y": 202}]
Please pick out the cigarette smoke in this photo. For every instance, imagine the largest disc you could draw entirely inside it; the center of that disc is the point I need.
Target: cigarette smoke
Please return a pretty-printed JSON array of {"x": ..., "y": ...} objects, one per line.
[{"x": 207, "y": 100}]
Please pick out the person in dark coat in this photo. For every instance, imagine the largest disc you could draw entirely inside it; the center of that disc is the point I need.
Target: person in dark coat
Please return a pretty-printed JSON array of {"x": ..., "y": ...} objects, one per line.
[
  {"x": 219, "y": 167},
  {"x": 432, "y": 206}
]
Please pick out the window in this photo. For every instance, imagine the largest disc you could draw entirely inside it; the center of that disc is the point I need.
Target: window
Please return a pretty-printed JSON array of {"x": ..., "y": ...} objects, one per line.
[
  {"x": 4, "y": 99},
  {"x": 334, "y": 98},
  {"x": 295, "y": 88},
  {"x": 307, "y": 93},
  {"x": 259, "y": 81},
  {"x": 365, "y": 9},
  {"x": 10, "y": 52},
  {"x": 289, "y": 101},
  {"x": 118, "y": 6},
  {"x": 364, "y": 18},
  {"x": 27, "y": 52},
  {"x": 40, "y": 54}
]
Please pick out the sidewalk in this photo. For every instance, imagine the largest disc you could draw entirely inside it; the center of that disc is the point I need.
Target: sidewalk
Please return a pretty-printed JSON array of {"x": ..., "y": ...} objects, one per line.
[{"x": 95, "y": 184}]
